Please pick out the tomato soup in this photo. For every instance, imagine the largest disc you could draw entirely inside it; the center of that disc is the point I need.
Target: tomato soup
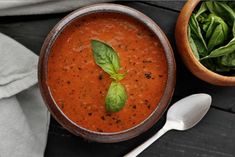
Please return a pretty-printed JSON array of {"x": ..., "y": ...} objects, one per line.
[{"x": 79, "y": 86}]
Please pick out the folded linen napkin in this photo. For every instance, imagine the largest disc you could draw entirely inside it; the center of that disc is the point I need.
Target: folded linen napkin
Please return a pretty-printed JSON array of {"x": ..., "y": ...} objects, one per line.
[
  {"x": 31, "y": 7},
  {"x": 24, "y": 119}
]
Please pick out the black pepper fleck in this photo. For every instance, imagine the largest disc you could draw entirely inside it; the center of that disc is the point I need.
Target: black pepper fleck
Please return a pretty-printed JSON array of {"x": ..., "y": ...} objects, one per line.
[
  {"x": 147, "y": 61},
  {"x": 148, "y": 75},
  {"x": 118, "y": 121},
  {"x": 102, "y": 117},
  {"x": 100, "y": 76},
  {"x": 108, "y": 115}
]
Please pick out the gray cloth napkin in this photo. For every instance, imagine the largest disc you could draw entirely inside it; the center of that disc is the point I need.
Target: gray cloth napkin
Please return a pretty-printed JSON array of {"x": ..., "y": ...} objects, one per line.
[
  {"x": 31, "y": 7},
  {"x": 24, "y": 119}
]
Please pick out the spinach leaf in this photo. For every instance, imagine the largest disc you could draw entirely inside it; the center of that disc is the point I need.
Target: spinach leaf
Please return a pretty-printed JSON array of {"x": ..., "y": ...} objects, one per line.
[
  {"x": 105, "y": 57},
  {"x": 196, "y": 35},
  {"x": 192, "y": 44},
  {"x": 216, "y": 31},
  {"x": 116, "y": 97},
  {"x": 221, "y": 51}
]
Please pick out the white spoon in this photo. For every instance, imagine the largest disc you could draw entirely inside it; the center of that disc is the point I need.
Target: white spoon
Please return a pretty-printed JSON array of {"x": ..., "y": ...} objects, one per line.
[{"x": 182, "y": 115}]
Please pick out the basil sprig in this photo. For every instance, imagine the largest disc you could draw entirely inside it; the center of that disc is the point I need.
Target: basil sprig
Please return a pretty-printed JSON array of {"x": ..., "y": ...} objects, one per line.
[
  {"x": 116, "y": 97},
  {"x": 211, "y": 35},
  {"x": 106, "y": 58}
]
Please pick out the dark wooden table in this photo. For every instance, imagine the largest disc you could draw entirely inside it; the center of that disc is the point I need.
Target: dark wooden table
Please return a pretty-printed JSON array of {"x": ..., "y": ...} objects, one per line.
[{"x": 214, "y": 136}]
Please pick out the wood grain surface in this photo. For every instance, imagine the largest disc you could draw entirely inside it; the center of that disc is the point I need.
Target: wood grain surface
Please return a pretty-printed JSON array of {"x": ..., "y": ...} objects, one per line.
[{"x": 212, "y": 137}]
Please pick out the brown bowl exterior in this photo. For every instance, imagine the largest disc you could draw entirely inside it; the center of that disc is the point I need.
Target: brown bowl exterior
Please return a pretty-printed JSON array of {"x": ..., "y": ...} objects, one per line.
[
  {"x": 83, "y": 132},
  {"x": 184, "y": 49}
]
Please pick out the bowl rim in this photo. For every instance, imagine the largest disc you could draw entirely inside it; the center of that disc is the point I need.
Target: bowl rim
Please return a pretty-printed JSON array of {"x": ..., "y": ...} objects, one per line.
[
  {"x": 182, "y": 33},
  {"x": 72, "y": 126}
]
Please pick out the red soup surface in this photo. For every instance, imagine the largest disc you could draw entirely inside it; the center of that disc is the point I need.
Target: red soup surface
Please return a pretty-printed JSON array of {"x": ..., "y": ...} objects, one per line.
[{"x": 79, "y": 86}]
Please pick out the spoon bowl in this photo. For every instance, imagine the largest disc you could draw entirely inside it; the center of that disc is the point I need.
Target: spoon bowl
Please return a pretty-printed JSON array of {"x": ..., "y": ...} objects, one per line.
[
  {"x": 182, "y": 115},
  {"x": 188, "y": 111}
]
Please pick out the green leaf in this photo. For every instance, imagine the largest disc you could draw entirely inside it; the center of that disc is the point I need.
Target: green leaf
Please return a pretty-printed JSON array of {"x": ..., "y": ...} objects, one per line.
[
  {"x": 222, "y": 10},
  {"x": 233, "y": 30},
  {"x": 217, "y": 38},
  {"x": 116, "y": 97},
  {"x": 214, "y": 65},
  {"x": 211, "y": 25},
  {"x": 228, "y": 60},
  {"x": 105, "y": 57},
  {"x": 217, "y": 31},
  {"x": 203, "y": 8},
  {"x": 192, "y": 44},
  {"x": 118, "y": 77},
  {"x": 231, "y": 4},
  {"x": 197, "y": 36},
  {"x": 221, "y": 51},
  {"x": 206, "y": 24}
]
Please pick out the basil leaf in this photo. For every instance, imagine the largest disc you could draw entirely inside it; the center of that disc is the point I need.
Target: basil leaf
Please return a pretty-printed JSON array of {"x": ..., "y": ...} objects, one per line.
[
  {"x": 233, "y": 30},
  {"x": 206, "y": 24},
  {"x": 214, "y": 65},
  {"x": 217, "y": 38},
  {"x": 228, "y": 60},
  {"x": 224, "y": 50},
  {"x": 116, "y": 97},
  {"x": 222, "y": 10},
  {"x": 217, "y": 32},
  {"x": 105, "y": 57},
  {"x": 209, "y": 63},
  {"x": 211, "y": 25},
  {"x": 192, "y": 44},
  {"x": 117, "y": 77},
  {"x": 208, "y": 32},
  {"x": 197, "y": 36},
  {"x": 231, "y": 4},
  {"x": 203, "y": 8}
]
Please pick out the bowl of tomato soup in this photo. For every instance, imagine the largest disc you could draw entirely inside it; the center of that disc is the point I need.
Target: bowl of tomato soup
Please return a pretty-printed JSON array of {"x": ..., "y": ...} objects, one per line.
[{"x": 106, "y": 72}]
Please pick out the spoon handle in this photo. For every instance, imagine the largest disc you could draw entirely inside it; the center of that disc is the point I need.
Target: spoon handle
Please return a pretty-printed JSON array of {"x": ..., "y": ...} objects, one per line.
[{"x": 147, "y": 143}]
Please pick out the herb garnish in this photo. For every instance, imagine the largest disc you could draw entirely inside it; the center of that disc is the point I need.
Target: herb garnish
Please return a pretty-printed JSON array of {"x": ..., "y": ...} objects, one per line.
[
  {"x": 106, "y": 58},
  {"x": 211, "y": 34}
]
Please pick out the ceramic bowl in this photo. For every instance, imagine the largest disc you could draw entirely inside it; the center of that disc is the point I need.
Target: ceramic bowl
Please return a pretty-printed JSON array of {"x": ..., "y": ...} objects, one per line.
[{"x": 62, "y": 118}]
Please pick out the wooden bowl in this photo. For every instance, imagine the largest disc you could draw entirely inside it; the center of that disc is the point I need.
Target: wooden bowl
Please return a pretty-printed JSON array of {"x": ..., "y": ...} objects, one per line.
[
  {"x": 186, "y": 53},
  {"x": 62, "y": 118}
]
